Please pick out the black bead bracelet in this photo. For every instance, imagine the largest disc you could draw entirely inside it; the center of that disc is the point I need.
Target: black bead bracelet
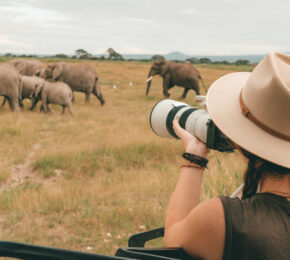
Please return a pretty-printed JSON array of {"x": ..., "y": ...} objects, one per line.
[{"x": 201, "y": 161}]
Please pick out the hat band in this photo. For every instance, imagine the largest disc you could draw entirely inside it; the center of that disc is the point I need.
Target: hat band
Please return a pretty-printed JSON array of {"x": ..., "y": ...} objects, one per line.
[{"x": 250, "y": 116}]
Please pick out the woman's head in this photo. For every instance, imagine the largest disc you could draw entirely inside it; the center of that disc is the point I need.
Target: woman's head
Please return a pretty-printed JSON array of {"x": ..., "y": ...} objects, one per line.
[
  {"x": 252, "y": 109},
  {"x": 257, "y": 170}
]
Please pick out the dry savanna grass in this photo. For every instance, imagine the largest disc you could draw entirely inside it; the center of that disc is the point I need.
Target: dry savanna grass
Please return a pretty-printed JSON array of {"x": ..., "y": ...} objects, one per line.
[{"x": 87, "y": 182}]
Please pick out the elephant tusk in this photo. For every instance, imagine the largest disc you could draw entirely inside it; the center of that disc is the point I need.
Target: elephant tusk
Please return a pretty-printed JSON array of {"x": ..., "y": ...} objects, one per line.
[{"x": 149, "y": 79}]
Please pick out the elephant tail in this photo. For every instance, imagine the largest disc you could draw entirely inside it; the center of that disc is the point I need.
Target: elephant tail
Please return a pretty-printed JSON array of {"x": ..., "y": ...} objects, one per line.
[
  {"x": 199, "y": 76},
  {"x": 97, "y": 92},
  {"x": 20, "y": 88}
]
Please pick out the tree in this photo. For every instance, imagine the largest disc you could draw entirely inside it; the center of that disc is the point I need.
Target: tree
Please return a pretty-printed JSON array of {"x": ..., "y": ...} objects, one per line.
[
  {"x": 157, "y": 57},
  {"x": 205, "y": 60},
  {"x": 193, "y": 60},
  {"x": 82, "y": 54},
  {"x": 242, "y": 62},
  {"x": 61, "y": 56},
  {"x": 9, "y": 55},
  {"x": 113, "y": 55}
]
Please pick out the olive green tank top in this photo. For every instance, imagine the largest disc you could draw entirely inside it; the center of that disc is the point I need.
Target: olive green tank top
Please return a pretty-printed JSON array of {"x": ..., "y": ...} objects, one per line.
[{"x": 257, "y": 228}]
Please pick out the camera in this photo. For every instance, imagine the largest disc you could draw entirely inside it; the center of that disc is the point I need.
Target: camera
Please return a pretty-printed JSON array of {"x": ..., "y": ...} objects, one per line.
[{"x": 194, "y": 120}]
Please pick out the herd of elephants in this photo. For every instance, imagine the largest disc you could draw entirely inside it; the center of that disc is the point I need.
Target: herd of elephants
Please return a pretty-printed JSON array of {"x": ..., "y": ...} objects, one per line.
[{"x": 55, "y": 83}]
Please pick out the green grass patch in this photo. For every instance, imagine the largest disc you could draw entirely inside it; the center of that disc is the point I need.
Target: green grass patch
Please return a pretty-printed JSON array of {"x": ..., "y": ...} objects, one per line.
[
  {"x": 4, "y": 175},
  {"x": 7, "y": 131},
  {"x": 87, "y": 162}
]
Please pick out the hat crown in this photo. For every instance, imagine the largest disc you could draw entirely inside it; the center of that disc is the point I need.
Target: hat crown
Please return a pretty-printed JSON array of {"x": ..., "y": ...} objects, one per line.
[{"x": 267, "y": 92}]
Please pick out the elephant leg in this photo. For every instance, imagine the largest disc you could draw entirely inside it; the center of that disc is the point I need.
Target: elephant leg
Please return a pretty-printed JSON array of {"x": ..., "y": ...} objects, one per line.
[
  {"x": 4, "y": 102},
  {"x": 87, "y": 96},
  {"x": 184, "y": 93},
  {"x": 14, "y": 104},
  {"x": 166, "y": 87},
  {"x": 197, "y": 90},
  {"x": 99, "y": 97},
  {"x": 69, "y": 107},
  {"x": 195, "y": 86},
  {"x": 10, "y": 104},
  {"x": 21, "y": 103},
  {"x": 34, "y": 102},
  {"x": 73, "y": 97},
  {"x": 48, "y": 108},
  {"x": 44, "y": 107},
  {"x": 63, "y": 109}
]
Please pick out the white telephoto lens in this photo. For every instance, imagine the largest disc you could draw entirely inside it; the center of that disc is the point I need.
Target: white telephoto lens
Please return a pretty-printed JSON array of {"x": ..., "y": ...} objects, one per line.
[
  {"x": 159, "y": 116},
  {"x": 196, "y": 124}
]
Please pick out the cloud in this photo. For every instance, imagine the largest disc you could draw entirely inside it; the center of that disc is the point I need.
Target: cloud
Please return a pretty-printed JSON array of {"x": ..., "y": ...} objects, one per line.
[
  {"x": 127, "y": 50},
  {"x": 31, "y": 14},
  {"x": 131, "y": 26},
  {"x": 138, "y": 20},
  {"x": 14, "y": 46},
  {"x": 99, "y": 51},
  {"x": 189, "y": 11},
  {"x": 195, "y": 11},
  {"x": 136, "y": 50},
  {"x": 229, "y": 49}
]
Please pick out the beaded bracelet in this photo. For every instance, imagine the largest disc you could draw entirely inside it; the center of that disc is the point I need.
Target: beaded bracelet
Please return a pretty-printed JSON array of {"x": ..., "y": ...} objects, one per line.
[{"x": 201, "y": 161}]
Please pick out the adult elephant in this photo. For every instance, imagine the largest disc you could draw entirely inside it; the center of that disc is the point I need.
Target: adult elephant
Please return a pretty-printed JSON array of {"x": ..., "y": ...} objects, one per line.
[
  {"x": 28, "y": 67},
  {"x": 79, "y": 77},
  {"x": 29, "y": 84},
  {"x": 10, "y": 85},
  {"x": 179, "y": 74}
]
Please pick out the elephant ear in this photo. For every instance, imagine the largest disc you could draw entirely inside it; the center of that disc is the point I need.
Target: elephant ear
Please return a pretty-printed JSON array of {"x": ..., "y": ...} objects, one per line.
[
  {"x": 42, "y": 74},
  {"x": 38, "y": 88},
  {"x": 20, "y": 66},
  {"x": 164, "y": 67},
  {"x": 57, "y": 71}
]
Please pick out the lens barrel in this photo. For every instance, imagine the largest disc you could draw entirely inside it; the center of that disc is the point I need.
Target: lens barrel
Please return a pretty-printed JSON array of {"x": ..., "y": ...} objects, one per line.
[{"x": 194, "y": 120}]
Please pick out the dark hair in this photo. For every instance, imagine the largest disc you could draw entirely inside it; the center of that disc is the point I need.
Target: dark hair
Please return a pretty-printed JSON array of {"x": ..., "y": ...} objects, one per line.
[{"x": 257, "y": 169}]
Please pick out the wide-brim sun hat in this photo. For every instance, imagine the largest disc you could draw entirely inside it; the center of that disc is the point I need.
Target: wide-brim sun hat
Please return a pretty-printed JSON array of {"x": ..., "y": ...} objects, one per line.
[{"x": 253, "y": 108}]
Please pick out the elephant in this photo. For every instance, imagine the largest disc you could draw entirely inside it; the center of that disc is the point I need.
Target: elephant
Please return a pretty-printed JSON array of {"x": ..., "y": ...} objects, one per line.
[
  {"x": 10, "y": 85},
  {"x": 79, "y": 77},
  {"x": 29, "y": 84},
  {"x": 179, "y": 74},
  {"x": 54, "y": 93},
  {"x": 28, "y": 67}
]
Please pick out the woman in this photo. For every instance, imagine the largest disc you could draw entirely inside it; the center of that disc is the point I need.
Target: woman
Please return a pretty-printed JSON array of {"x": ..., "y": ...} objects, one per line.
[{"x": 253, "y": 110}]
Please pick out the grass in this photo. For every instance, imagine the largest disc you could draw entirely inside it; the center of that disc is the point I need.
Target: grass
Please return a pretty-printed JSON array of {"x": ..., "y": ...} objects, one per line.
[{"x": 97, "y": 177}]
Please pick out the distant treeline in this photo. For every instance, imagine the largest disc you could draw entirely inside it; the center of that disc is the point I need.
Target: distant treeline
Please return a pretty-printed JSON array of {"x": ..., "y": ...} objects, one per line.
[{"x": 113, "y": 55}]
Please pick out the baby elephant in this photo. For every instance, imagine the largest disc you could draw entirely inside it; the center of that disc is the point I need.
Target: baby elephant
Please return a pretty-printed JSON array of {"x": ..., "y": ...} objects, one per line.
[{"x": 54, "y": 93}]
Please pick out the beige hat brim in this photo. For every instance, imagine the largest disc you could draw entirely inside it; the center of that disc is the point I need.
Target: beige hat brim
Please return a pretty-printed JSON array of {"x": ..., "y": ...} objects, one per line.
[{"x": 224, "y": 108}]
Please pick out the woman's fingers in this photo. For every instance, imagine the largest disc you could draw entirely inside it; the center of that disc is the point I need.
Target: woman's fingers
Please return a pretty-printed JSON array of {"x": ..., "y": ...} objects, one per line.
[
  {"x": 180, "y": 132},
  {"x": 189, "y": 141}
]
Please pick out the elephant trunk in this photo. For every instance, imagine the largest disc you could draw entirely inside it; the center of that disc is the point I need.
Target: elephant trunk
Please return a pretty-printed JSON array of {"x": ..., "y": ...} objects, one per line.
[
  {"x": 97, "y": 92},
  {"x": 149, "y": 79}
]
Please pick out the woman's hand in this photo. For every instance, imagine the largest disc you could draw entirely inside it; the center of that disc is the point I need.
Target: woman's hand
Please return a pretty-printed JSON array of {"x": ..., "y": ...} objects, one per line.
[{"x": 191, "y": 143}]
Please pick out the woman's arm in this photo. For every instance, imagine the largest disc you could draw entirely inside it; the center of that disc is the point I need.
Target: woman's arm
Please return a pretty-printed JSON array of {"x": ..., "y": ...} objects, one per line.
[{"x": 199, "y": 229}]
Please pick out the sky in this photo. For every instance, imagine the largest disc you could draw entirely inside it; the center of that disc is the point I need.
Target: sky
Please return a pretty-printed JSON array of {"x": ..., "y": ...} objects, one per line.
[{"x": 194, "y": 27}]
